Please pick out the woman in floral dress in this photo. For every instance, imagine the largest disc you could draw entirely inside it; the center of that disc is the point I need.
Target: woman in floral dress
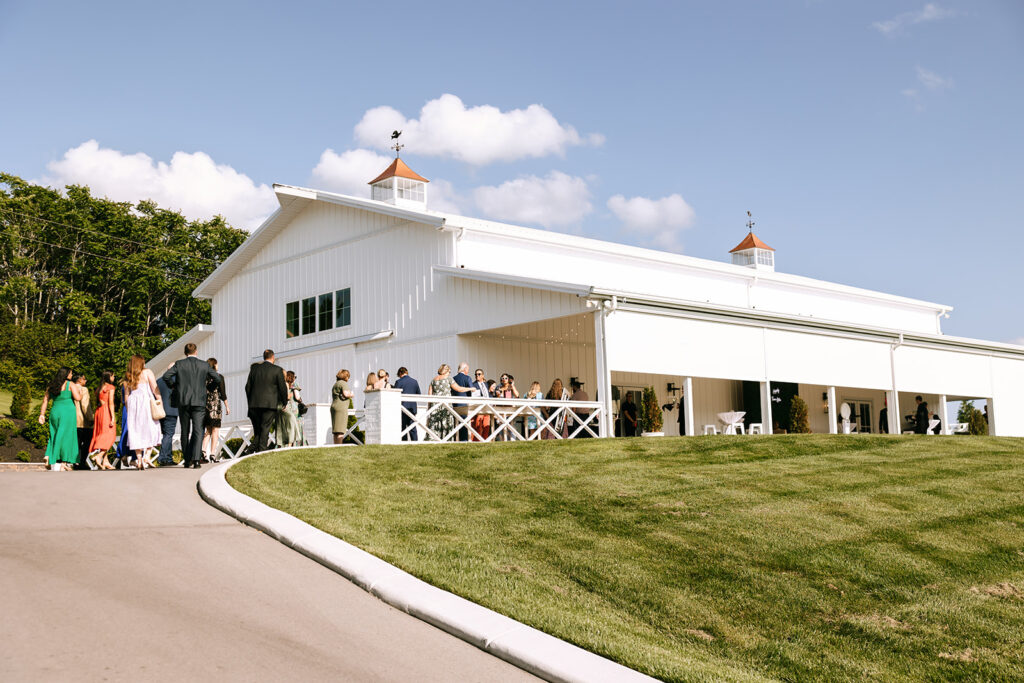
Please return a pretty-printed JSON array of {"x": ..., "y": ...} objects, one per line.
[
  {"x": 289, "y": 426},
  {"x": 440, "y": 421}
]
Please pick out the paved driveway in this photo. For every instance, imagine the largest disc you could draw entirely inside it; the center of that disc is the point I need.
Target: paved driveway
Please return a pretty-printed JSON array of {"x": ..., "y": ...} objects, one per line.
[{"x": 131, "y": 576}]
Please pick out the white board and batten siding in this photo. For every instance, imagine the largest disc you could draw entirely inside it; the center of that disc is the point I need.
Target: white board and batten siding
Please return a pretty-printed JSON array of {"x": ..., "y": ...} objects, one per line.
[{"x": 385, "y": 262}]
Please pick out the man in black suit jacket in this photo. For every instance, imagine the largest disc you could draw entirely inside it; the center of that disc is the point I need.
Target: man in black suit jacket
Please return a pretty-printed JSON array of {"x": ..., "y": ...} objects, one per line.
[
  {"x": 408, "y": 386},
  {"x": 265, "y": 390},
  {"x": 921, "y": 417},
  {"x": 188, "y": 379}
]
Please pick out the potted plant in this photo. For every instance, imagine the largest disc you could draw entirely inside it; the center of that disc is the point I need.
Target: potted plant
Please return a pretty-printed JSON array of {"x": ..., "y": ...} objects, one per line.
[{"x": 649, "y": 418}]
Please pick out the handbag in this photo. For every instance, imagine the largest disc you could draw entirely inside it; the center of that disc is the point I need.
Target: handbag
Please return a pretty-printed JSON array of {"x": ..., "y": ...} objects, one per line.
[
  {"x": 156, "y": 409},
  {"x": 303, "y": 409}
]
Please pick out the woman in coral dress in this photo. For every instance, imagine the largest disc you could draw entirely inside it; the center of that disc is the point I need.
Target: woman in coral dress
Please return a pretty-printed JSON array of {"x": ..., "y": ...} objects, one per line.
[{"x": 103, "y": 432}]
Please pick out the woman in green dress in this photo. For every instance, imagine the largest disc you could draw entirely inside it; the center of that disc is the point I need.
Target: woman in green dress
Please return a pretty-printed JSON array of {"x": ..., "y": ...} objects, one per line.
[
  {"x": 340, "y": 396},
  {"x": 289, "y": 427},
  {"x": 62, "y": 448},
  {"x": 440, "y": 421}
]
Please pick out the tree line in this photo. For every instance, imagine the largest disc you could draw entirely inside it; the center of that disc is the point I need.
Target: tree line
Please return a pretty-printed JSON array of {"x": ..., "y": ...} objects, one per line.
[{"x": 86, "y": 282}]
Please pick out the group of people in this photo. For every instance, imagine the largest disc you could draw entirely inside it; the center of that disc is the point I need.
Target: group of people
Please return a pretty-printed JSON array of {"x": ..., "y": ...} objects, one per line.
[
  {"x": 441, "y": 421},
  {"x": 919, "y": 421},
  {"x": 191, "y": 392}
]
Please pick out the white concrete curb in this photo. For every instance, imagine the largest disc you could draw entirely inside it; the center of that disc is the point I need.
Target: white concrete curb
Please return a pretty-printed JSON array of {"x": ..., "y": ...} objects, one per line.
[{"x": 529, "y": 649}]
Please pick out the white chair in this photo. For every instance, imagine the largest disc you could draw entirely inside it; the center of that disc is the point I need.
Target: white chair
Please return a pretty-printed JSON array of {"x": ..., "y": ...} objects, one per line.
[
  {"x": 932, "y": 424},
  {"x": 958, "y": 428},
  {"x": 710, "y": 429},
  {"x": 739, "y": 428},
  {"x": 756, "y": 428}
]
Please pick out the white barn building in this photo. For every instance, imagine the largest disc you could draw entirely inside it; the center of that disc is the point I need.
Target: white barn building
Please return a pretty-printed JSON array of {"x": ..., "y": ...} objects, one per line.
[{"x": 331, "y": 281}]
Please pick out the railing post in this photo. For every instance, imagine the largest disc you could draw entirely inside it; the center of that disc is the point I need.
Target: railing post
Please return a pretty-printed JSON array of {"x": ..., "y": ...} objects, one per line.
[
  {"x": 383, "y": 417},
  {"x": 316, "y": 424}
]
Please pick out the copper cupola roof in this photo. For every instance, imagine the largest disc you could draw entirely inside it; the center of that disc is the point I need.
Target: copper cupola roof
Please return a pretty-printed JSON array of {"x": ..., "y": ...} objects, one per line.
[{"x": 400, "y": 169}]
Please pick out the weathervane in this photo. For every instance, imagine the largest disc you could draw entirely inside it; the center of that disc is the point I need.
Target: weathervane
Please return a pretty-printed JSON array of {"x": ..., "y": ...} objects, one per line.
[
  {"x": 397, "y": 147},
  {"x": 750, "y": 222}
]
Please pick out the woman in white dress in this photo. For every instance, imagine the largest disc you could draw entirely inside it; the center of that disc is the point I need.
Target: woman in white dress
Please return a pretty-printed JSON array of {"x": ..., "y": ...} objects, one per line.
[{"x": 143, "y": 430}]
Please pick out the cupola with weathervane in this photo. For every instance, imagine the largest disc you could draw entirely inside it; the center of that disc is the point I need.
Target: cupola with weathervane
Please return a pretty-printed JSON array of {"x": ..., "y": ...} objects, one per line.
[
  {"x": 399, "y": 184},
  {"x": 752, "y": 252}
]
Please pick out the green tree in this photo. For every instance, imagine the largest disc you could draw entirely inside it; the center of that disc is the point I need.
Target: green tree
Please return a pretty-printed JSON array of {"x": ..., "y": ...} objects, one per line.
[
  {"x": 86, "y": 281},
  {"x": 21, "y": 402},
  {"x": 973, "y": 418},
  {"x": 799, "y": 421}
]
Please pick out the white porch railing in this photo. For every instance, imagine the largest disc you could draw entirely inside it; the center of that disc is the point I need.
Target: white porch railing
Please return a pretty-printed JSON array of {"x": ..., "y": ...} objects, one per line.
[
  {"x": 509, "y": 418},
  {"x": 310, "y": 435},
  {"x": 440, "y": 419}
]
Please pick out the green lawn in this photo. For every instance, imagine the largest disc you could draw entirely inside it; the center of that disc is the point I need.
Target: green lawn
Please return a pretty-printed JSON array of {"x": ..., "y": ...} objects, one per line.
[{"x": 742, "y": 558}]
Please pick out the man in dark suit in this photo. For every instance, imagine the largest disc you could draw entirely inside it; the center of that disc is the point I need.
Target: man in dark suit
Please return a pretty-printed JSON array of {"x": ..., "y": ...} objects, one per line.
[
  {"x": 265, "y": 390},
  {"x": 187, "y": 379},
  {"x": 408, "y": 386},
  {"x": 462, "y": 384},
  {"x": 921, "y": 417},
  {"x": 167, "y": 424}
]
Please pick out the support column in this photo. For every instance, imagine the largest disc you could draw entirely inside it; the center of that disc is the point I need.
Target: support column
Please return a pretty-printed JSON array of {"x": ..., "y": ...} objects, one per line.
[
  {"x": 687, "y": 406},
  {"x": 833, "y": 425},
  {"x": 943, "y": 415},
  {"x": 895, "y": 423},
  {"x": 383, "y": 421},
  {"x": 766, "y": 407},
  {"x": 990, "y": 404},
  {"x": 604, "y": 374}
]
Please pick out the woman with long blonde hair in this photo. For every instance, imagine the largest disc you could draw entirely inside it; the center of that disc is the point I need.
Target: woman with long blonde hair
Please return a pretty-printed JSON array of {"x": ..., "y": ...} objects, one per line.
[
  {"x": 143, "y": 431},
  {"x": 557, "y": 392}
]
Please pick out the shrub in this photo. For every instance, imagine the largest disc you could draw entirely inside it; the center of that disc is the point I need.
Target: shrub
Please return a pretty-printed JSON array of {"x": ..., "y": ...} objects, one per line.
[
  {"x": 21, "y": 401},
  {"x": 649, "y": 419},
  {"x": 38, "y": 434},
  {"x": 975, "y": 420},
  {"x": 799, "y": 422},
  {"x": 977, "y": 425},
  {"x": 23, "y": 456},
  {"x": 233, "y": 444},
  {"x": 7, "y": 428}
]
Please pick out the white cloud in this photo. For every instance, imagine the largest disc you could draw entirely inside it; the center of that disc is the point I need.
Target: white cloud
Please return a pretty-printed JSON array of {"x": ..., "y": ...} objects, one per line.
[
  {"x": 349, "y": 172},
  {"x": 442, "y": 196},
  {"x": 933, "y": 81},
  {"x": 659, "y": 222},
  {"x": 928, "y": 81},
  {"x": 554, "y": 201},
  {"x": 929, "y": 12},
  {"x": 190, "y": 183},
  {"x": 476, "y": 135}
]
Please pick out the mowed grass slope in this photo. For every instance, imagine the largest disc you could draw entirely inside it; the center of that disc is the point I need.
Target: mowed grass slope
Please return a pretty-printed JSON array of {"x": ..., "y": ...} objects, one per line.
[{"x": 742, "y": 558}]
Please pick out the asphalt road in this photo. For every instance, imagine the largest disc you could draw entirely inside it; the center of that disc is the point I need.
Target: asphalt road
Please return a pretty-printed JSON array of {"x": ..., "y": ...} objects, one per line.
[{"x": 130, "y": 576}]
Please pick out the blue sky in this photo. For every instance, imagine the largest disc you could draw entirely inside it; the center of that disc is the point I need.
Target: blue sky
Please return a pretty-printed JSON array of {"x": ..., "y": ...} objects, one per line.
[{"x": 877, "y": 144}]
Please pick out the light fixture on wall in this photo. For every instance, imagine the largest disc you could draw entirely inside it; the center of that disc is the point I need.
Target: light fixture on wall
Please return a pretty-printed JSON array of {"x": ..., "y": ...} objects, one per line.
[
  {"x": 672, "y": 388},
  {"x": 824, "y": 402}
]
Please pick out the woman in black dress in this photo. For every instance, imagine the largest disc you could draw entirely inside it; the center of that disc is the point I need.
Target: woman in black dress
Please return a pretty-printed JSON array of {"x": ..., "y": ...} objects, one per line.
[{"x": 216, "y": 408}]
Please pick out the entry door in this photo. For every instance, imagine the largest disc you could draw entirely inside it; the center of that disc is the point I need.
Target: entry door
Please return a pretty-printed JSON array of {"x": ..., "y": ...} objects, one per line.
[
  {"x": 862, "y": 414},
  {"x": 621, "y": 391}
]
